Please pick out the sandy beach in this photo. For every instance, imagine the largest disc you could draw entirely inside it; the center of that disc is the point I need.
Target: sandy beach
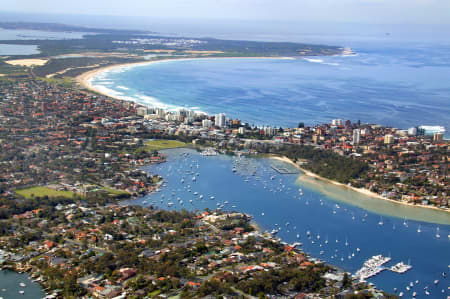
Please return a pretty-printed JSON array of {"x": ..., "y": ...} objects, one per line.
[
  {"x": 84, "y": 79},
  {"x": 359, "y": 190}
]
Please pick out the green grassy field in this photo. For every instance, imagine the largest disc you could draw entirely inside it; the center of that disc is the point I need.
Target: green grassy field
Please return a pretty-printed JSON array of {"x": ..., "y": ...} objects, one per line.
[
  {"x": 114, "y": 191},
  {"x": 161, "y": 144},
  {"x": 43, "y": 191}
]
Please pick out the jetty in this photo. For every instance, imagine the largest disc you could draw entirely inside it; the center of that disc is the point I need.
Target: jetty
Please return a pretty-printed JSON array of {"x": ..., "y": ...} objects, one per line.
[{"x": 284, "y": 170}]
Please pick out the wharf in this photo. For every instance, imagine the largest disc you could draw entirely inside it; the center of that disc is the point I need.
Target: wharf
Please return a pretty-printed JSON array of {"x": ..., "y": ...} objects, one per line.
[{"x": 284, "y": 170}]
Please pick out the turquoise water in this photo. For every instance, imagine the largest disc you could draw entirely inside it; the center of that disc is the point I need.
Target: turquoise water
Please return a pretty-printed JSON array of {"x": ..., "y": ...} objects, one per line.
[
  {"x": 9, "y": 286},
  {"x": 251, "y": 190},
  {"x": 394, "y": 85}
]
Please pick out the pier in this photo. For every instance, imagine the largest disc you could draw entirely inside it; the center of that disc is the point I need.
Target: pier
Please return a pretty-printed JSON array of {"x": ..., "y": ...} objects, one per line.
[{"x": 284, "y": 170}]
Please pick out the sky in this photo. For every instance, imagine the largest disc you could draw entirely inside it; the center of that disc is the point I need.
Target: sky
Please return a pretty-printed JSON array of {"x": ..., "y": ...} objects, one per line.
[{"x": 358, "y": 11}]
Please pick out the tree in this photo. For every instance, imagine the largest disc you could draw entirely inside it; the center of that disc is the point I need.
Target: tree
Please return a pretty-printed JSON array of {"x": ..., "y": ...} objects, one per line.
[
  {"x": 346, "y": 281},
  {"x": 301, "y": 125}
]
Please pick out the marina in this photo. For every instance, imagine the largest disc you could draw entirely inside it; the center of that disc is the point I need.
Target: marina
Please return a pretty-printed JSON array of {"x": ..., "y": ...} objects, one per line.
[
  {"x": 18, "y": 285},
  {"x": 329, "y": 228}
]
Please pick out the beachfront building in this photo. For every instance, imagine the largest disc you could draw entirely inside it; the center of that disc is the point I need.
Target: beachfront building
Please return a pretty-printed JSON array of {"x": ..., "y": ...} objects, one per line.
[
  {"x": 207, "y": 123},
  {"x": 142, "y": 111},
  {"x": 438, "y": 137},
  {"x": 337, "y": 122},
  {"x": 412, "y": 131},
  {"x": 269, "y": 131},
  {"x": 220, "y": 120},
  {"x": 388, "y": 139}
]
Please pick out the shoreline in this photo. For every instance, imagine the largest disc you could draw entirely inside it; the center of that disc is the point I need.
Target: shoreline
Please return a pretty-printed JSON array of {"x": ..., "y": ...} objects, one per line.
[
  {"x": 359, "y": 190},
  {"x": 84, "y": 79}
]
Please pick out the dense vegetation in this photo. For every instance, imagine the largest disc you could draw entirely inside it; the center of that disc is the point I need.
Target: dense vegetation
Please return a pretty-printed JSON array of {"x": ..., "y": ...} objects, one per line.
[{"x": 327, "y": 163}]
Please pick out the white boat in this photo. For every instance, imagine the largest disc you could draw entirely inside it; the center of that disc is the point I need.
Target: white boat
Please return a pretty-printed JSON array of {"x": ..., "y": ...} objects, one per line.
[
  {"x": 438, "y": 235},
  {"x": 381, "y": 221},
  {"x": 400, "y": 268},
  {"x": 22, "y": 284},
  {"x": 419, "y": 230}
]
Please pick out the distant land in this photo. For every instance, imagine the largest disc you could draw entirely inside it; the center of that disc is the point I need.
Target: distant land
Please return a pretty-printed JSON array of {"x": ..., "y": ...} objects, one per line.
[
  {"x": 56, "y": 27},
  {"x": 104, "y": 47}
]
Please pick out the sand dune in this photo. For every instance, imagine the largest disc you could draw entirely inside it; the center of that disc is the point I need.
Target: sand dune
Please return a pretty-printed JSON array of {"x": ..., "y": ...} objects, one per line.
[{"x": 27, "y": 62}]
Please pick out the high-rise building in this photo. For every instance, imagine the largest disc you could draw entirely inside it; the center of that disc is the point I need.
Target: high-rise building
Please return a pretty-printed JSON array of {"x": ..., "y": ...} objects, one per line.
[
  {"x": 336, "y": 122},
  {"x": 269, "y": 131},
  {"x": 161, "y": 113},
  {"x": 207, "y": 123},
  {"x": 388, "y": 139},
  {"x": 437, "y": 137},
  {"x": 142, "y": 111},
  {"x": 220, "y": 120},
  {"x": 412, "y": 131},
  {"x": 241, "y": 130},
  {"x": 356, "y": 136}
]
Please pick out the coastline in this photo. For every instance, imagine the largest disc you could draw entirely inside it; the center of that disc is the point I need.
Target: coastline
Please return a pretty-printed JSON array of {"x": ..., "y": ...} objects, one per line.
[
  {"x": 84, "y": 79},
  {"x": 359, "y": 190}
]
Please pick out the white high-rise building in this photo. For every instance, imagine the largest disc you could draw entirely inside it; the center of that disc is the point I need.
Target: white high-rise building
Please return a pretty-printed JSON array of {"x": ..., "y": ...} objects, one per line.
[
  {"x": 220, "y": 120},
  {"x": 161, "y": 113},
  {"x": 207, "y": 123},
  {"x": 337, "y": 122},
  {"x": 142, "y": 111},
  {"x": 356, "y": 136},
  {"x": 241, "y": 130},
  {"x": 269, "y": 131},
  {"x": 388, "y": 139},
  {"x": 412, "y": 131}
]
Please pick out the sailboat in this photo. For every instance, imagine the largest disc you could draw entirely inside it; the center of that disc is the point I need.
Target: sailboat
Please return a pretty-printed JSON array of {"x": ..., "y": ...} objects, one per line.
[
  {"x": 381, "y": 221},
  {"x": 437, "y": 233},
  {"x": 346, "y": 242},
  {"x": 419, "y": 230}
]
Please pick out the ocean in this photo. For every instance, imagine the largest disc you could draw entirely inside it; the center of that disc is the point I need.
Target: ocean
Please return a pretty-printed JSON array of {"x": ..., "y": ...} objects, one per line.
[
  {"x": 399, "y": 84},
  {"x": 333, "y": 215}
]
